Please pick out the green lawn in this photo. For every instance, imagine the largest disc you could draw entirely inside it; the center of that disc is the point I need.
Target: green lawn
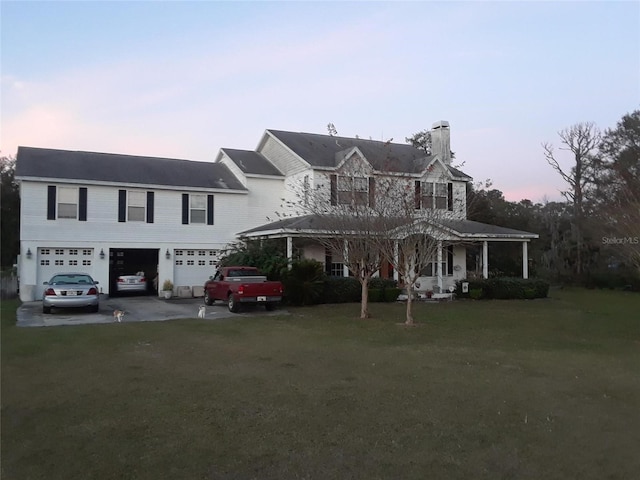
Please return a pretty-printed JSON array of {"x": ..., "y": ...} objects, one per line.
[{"x": 538, "y": 389}]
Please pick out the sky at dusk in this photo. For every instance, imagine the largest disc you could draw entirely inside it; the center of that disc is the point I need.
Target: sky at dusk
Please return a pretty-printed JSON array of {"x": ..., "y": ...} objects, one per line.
[{"x": 184, "y": 79}]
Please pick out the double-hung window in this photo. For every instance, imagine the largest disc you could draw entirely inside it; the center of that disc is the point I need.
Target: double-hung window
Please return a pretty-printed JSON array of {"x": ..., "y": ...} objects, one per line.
[
  {"x": 433, "y": 195},
  {"x": 351, "y": 190},
  {"x": 197, "y": 209},
  {"x": 66, "y": 202},
  {"x": 136, "y": 203},
  {"x": 135, "y": 206}
]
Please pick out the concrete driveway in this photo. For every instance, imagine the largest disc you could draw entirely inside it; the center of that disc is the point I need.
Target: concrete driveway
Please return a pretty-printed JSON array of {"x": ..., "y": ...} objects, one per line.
[{"x": 137, "y": 309}]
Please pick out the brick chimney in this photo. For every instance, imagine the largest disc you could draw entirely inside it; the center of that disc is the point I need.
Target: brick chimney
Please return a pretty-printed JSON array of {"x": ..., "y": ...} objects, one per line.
[{"x": 441, "y": 141}]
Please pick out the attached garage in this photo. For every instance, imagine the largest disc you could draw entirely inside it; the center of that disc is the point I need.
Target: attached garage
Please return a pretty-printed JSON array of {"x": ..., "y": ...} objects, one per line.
[
  {"x": 194, "y": 267},
  {"x": 56, "y": 260},
  {"x": 129, "y": 261}
]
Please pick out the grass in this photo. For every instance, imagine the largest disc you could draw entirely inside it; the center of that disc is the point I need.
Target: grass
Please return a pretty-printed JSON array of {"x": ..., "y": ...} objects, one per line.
[{"x": 484, "y": 390}]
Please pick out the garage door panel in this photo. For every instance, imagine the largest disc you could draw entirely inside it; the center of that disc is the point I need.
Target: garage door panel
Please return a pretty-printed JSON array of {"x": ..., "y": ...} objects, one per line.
[
  {"x": 55, "y": 260},
  {"x": 194, "y": 267}
]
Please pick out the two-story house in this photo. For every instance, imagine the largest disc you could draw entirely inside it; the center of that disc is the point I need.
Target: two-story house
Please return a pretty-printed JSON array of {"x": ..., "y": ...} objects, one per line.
[{"x": 109, "y": 214}]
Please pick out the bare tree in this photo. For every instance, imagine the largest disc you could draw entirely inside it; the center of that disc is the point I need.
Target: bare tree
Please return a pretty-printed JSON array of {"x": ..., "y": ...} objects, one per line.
[
  {"x": 345, "y": 220},
  {"x": 581, "y": 140},
  {"x": 413, "y": 236}
]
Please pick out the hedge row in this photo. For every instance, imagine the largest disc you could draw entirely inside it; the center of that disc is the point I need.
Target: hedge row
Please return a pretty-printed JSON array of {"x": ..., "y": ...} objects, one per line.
[{"x": 503, "y": 288}]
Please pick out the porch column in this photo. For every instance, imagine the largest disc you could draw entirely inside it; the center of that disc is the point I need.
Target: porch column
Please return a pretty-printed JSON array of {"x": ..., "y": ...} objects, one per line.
[
  {"x": 396, "y": 276},
  {"x": 439, "y": 267},
  {"x": 485, "y": 259},
  {"x": 289, "y": 252},
  {"x": 525, "y": 261},
  {"x": 345, "y": 268}
]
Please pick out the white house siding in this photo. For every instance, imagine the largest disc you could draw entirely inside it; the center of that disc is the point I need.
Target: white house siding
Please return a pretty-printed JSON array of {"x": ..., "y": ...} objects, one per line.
[
  {"x": 460, "y": 200},
  {"x": 264, "y": 201},
  {"x": 102, "y": 231},
  {"x": 293, "y": 192},
  {"x": 286, "y": 161}
]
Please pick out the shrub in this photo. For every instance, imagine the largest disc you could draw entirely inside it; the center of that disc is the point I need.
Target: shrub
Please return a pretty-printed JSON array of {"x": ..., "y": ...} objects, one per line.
[
  {"x": 167, "y": 285},
  {"x": 475, "y": 293},
  {"x": 341, "y": 290},
  {"x": 391, "y": 294},
  {"x": 304, "y": 282},
  {"x": 376, "y": 295},
  {"x": 504, "y": 288}
]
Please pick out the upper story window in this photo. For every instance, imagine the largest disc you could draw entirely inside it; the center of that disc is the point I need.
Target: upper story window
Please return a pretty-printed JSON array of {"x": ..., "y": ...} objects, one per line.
[
  {"x": 136, "y": 203},
  {"x": 352, "y": 190},
  {"x": 433, "y": 195},
  {"x": 135, "y": 206},
  {"x": 197, "y": 209},
  {"x": 66, "y": 202}
]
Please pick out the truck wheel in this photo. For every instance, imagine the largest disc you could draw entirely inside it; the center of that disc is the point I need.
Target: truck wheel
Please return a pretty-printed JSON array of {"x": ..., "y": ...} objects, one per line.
[
  {"x": 234, "y": 307},
  {"x": 271, "y": 306},
  {"x": 207, "y": 299}
]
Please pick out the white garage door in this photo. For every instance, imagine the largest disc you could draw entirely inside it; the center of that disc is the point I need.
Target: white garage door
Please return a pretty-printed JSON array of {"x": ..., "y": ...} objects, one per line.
[
  {"x": 194, "y": 267},
  {"x": 55, "y": 260}
]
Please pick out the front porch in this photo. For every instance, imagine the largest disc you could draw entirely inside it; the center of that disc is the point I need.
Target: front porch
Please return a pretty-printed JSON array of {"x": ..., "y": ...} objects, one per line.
[{"x": 440, "y": 276}]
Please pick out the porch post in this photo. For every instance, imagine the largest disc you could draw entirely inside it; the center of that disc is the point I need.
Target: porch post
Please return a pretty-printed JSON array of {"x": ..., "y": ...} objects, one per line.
[
  {"x": 439, "y": 267},
  {"x": 289, "y": 251},
  {"x": 485, "y": 259},
  {"x": 345, "y": 268},
  {"x": 396, "y": 255},
  {"x": 525, "y": 261}
]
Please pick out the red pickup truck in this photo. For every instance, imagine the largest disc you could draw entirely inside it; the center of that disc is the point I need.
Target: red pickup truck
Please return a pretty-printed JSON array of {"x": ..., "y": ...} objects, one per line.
[{"x": 242, "y": 286}]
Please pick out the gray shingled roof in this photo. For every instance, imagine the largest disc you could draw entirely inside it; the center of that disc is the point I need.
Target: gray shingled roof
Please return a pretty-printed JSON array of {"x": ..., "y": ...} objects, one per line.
[
  {"x": 252, "y": 162},
  {"x": 465, "y": 229},
  {"x": 326, "y": 151},
  {"x": 469, "y": 228},
  {"x": 129, "y": 169}
]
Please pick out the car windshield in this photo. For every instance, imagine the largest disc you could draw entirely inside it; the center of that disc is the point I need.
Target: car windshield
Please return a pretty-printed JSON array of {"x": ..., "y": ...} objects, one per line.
[{"x": 71, "y": 279}]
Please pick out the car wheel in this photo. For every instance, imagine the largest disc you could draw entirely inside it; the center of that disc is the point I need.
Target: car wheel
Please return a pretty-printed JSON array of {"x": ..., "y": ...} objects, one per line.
[
  {"x": 234, "y": 307},
  {"x": 46, "y": 309},
  {"x": 95, "y": 308},
  {"x": 271, "y": 306},
  {"x": 207, "y": 299}
]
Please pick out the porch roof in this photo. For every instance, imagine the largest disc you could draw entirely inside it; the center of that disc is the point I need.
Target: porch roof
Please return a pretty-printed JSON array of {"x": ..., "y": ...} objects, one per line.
[{"x": 310, "y": 225}]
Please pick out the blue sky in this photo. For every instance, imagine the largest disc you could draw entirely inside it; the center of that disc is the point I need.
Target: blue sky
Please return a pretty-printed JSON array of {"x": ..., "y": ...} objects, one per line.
[{"x": 184, "y": 79}]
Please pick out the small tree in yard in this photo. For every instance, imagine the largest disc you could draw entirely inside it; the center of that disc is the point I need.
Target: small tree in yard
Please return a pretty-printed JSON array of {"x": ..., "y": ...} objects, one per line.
[
  {"x": 412, "y": 238},
  {"x": 346, "y": 223}
]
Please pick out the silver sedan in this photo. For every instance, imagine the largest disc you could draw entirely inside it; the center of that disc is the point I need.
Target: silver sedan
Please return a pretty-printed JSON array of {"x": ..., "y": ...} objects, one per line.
[
  {"x": 132, "y": 283},
  {"x": 71, "y": 290}
]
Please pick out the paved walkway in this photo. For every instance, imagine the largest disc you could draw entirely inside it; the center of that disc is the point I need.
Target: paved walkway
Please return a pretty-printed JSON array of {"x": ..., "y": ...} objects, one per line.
[{"x": 137, "y": 309}]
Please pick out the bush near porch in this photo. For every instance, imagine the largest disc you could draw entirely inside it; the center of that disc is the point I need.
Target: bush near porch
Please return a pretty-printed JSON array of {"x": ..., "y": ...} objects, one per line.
[{"x": 503, "y": 288}]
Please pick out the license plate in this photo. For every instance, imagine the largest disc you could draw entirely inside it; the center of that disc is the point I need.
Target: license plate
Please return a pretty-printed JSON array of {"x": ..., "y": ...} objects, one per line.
[
  {"x": 71, "y": 293},
  {"x": 132, "y": 280},
  {"x": 262, "y": 299}
]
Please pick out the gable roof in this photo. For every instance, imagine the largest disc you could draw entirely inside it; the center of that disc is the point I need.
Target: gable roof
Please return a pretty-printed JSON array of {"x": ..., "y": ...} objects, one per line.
[
  {"x": 251, "y": 162},
  {"x": 109, "y": 167},
  {"x": 326, "y": 151}
]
